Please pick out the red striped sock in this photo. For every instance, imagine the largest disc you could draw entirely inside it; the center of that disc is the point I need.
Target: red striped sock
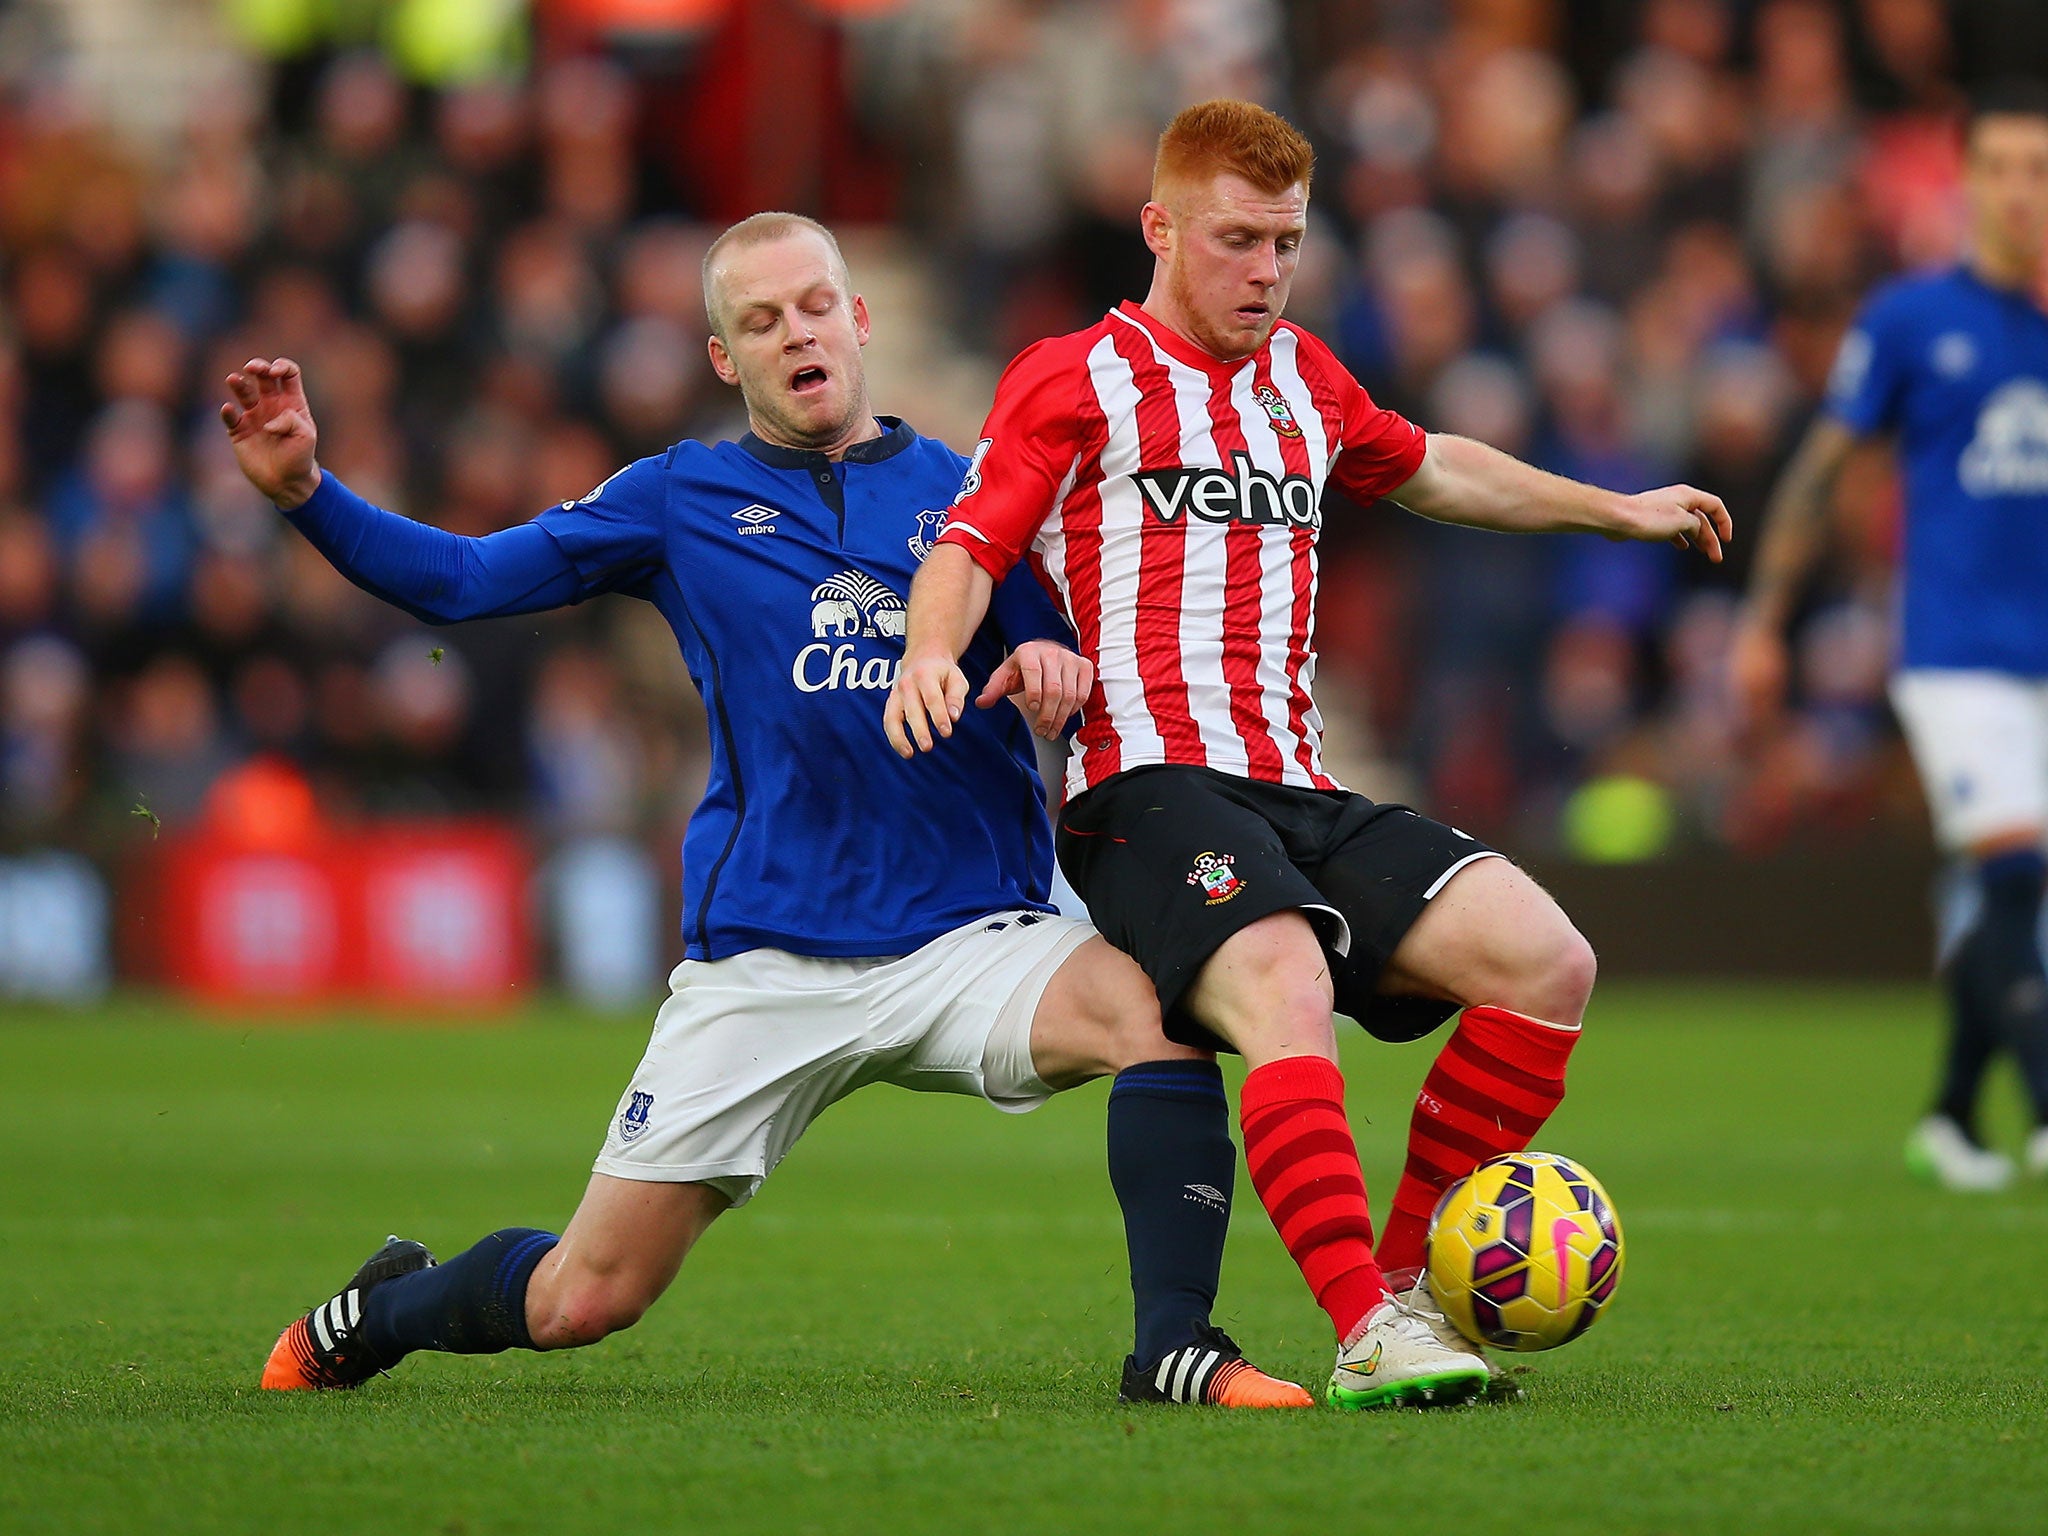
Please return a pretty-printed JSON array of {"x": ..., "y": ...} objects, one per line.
[
  {"x": 1496, "y": 1081},
  {"x": 1304, "y": 1165}
]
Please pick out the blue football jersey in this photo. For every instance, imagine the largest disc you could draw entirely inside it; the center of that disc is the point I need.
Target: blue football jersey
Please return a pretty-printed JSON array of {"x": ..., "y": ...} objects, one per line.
[
  {"x": 785, "y": 577},
  {"x": 1957, "y": 372}
]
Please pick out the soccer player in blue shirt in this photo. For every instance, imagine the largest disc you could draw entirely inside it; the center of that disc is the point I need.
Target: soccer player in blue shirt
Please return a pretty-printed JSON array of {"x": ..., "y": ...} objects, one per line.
[
  {"x": 1953, "y": 365},
  {"x": 850, "y": 917}
]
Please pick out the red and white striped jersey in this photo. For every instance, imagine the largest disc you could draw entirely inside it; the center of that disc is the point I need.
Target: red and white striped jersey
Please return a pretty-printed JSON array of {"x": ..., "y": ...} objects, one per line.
[{"x": 1170, "y": 501}]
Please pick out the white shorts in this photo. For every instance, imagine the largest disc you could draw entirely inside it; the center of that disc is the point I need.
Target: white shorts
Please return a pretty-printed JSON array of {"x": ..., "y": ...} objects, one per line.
[
  {"x": 749, "y": 1050},
  {"x": 1980, "y": 741}
]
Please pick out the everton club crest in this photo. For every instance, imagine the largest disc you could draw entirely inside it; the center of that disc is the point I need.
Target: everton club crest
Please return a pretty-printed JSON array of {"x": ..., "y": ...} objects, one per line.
[
  {"x": 633, "y": 1122},
  {"x": 929, "y": 526},
  {"x": 1214, "y": 877},
  {"x": 1281, "y": 414}
]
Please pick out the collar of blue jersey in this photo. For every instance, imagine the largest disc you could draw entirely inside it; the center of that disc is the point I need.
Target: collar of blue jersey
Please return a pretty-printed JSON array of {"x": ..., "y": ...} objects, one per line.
[
  {"x": 896, "y": 436},
  {"x": 2020, "y": 296}
]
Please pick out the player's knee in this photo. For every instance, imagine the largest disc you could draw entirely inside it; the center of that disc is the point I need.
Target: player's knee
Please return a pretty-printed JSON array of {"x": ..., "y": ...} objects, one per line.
[
  {"x": 1556, "y": 976},
  {"x": 588, "y": 1309},
  {"x": 1268, "y": 990},
  {"x": 1279, "y": 961},
  {"x": 1574, "y": 969}
]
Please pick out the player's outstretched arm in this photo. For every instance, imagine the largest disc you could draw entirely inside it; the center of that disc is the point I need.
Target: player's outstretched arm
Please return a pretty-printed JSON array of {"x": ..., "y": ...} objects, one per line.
[
  {"x": 947, "y": 603},
  {"x": 1462, "y": 481},
  {"x": 1794, "y": 534},
  {"x": 436, "y": 576}
]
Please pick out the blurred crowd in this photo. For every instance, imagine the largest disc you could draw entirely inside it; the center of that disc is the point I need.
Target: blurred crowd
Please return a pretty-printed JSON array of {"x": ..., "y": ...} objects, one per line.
[{"x": 1618, "y": 239}]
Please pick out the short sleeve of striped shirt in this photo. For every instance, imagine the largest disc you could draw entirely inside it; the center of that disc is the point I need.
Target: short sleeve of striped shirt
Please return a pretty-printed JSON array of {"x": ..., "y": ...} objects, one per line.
[
  {"x": 1023, "y": 458},
  {"x": 1379, "y": 450}
]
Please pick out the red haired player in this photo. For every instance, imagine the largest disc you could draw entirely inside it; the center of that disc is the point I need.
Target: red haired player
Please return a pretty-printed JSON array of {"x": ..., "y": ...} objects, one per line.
[{"x": 1164, "y": 472}]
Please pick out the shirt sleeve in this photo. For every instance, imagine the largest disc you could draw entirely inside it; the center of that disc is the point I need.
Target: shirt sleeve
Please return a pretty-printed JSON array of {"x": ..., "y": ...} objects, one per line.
[
  {"x": 1869, "y": 375},
  {"x": 1380, "y": 449},
  {"x": 1026, "y": 448},
  {"x": 613, "y": 537},
  {"x": 434, "y": 575}
]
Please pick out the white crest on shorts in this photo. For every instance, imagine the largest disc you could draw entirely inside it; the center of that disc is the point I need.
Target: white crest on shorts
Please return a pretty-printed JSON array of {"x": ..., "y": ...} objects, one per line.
[{"x": 633, "y": 1119}]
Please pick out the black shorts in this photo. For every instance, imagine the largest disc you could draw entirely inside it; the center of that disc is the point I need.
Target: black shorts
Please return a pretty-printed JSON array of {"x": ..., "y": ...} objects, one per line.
[{"x": 1172, "y": 861}]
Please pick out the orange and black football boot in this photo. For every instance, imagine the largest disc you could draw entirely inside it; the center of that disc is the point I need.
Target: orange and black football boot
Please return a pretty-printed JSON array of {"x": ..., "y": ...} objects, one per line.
[
  {"x": 321, "y": 1352},
  {"x": 1211, "y": 1370}
]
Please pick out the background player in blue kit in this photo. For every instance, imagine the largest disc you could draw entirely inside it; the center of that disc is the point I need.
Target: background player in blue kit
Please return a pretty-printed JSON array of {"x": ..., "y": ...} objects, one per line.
[
  {"x": 1953, "y": 366},
  {"x": 849, "y": 917}
]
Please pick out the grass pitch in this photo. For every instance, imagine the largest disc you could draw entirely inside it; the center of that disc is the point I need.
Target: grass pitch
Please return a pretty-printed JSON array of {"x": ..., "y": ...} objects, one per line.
[{"x": 916, "y": 1327}]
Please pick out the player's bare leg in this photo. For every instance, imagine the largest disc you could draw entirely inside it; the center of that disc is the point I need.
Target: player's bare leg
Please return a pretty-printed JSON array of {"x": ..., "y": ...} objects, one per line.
[
  {"x": 519, "y": 1288},
  {"x": 1172, "y": 1165},
  {"x": 1097, "y": 1016},
  {"x": 621, "y": 1250},
  {"x": 1268, "y": 990},
  {"x": 1494, "y": 937},
  {"x": 1493, "y": 941}
]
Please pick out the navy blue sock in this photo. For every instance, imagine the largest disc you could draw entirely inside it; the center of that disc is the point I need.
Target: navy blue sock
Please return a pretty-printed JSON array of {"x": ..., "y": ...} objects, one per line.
[
  {"x": 475, "y": 1304},
  {"x": 2000, "y": 963},
  {"x": 1973, "y": 1039},
  {"x": 1172, "y": 1165}
]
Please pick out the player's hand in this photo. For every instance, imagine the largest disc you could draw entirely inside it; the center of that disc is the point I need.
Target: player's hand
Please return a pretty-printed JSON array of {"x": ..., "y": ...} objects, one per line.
[
  {"x": 1689, "y": 518},
  {"x": 1759, "y": 667},
  {"x": 1047, "y": 682},
  {"x": 270, "y": 426},
  {"x": 928, "y": 697}
]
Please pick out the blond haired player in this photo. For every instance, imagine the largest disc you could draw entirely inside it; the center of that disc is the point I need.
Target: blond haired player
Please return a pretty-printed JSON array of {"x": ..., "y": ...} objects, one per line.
[
  {"x": 1164, "y": 473},
  {"x": 819, "y": 959}
]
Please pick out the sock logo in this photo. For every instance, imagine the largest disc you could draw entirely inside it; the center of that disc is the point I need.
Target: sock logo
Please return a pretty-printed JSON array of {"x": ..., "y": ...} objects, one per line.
[
  {"x": 1205, "y": 1195},
  {"x": 1214, "y": 876},
  {"x": 633, "y": 1122}
]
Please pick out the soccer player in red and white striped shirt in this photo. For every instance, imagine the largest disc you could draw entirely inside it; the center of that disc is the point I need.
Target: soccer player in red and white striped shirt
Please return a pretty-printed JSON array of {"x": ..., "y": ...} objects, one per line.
[{"x": 1164, "y": 473}]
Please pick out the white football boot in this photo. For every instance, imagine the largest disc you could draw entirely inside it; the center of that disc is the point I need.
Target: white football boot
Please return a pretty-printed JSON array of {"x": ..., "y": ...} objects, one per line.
[
  {"x": 2037, "y": 1153},
  {"x": 1413, "y": 1296},
  {"x": 1939, "y": 1150},
  {"x": 1396, "y": 1360}
]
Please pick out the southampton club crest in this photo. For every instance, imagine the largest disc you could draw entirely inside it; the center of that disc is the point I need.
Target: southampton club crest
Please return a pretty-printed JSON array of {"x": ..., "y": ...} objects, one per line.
[
  {"x": 1279, "y": 412},
  {"x": 929, "y": 527},
  {"x": 1214, "y": 876},
  {"x": 633, "y": 1120}
]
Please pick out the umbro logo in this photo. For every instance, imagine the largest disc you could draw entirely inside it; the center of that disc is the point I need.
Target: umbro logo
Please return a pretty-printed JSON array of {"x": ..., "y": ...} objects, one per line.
[
  {"x": 757, "y": 519},
  {"x": 1205, "y": 1195}
]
